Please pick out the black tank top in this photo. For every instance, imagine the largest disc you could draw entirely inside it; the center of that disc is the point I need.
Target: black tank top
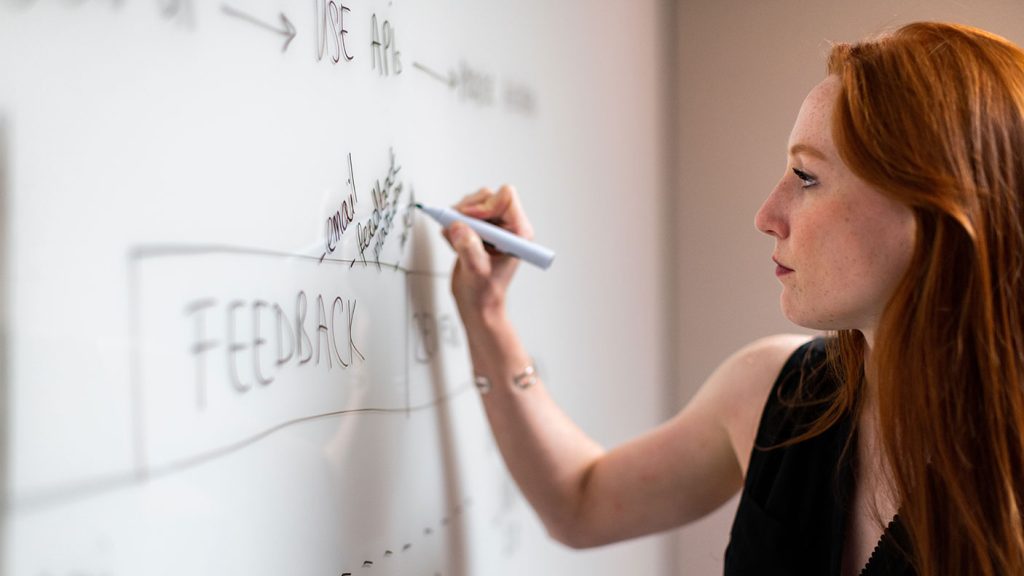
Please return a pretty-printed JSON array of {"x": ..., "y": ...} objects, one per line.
[{"x": 792, "y": 512}]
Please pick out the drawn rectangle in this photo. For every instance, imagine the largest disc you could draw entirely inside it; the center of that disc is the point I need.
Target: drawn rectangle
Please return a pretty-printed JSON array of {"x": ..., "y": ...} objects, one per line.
[{"x": 233, "y": 344}]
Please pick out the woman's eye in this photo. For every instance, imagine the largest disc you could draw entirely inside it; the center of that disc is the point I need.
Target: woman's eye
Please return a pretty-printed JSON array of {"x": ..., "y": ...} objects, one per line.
[{"x": 806, "y": 179}]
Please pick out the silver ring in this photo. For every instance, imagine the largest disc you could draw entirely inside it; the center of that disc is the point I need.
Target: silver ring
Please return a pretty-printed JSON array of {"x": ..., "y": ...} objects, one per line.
[
  {"x": 526, "y": 378},
  {"x": 482, "y": 384}
]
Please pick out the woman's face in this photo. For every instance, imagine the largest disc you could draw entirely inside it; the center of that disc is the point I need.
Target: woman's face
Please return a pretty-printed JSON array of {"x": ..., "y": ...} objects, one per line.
[{"x": 841, "y": 246}]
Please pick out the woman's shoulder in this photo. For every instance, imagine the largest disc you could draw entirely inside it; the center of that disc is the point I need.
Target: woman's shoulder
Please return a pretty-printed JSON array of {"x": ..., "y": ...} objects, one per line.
[
  {"x": 752, "y": 371},
  {"x": 771, "y": 352},
  {"x": 742, "y": 384}
]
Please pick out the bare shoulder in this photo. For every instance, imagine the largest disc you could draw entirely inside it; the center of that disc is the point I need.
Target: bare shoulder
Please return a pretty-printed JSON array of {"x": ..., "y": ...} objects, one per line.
[{"x": 738, "y": 389}]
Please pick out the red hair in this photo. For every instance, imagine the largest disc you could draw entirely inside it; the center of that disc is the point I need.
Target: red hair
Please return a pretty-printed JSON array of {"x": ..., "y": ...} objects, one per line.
[{"x": 933, "y": 115}]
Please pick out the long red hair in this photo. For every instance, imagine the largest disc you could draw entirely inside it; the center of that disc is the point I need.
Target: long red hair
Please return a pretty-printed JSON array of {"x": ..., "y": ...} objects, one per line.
[{"x": 933, "y": 115}]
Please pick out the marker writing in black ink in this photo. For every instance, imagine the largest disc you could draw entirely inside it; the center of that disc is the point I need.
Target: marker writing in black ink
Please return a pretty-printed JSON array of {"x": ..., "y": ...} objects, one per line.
[
  {"x": 383, "y": 50},
  {"x": 338, "y": 223},
  {"x": 288, "y": 32},
  {"x": 451, "y": 80},
  {"x": 334, "y": 12},
  {"x": 334, "y": 333}
]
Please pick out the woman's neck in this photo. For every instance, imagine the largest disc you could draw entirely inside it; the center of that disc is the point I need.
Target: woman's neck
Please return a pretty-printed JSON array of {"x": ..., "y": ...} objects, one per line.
[{"x": 869, "y": 400}]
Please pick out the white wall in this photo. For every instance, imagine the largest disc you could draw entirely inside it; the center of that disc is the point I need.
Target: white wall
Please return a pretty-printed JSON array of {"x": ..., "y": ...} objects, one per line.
[
  {"x": 166, "y": 172},
  {"x": 744, "y": 68}
]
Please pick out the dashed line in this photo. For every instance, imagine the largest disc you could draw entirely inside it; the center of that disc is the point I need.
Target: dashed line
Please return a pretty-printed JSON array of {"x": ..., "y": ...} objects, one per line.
[{"x": 428, "y": 531}]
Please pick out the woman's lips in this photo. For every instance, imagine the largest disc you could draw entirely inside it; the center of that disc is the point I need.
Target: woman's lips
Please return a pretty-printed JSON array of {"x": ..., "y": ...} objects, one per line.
[{"x": 781, "y": 270}]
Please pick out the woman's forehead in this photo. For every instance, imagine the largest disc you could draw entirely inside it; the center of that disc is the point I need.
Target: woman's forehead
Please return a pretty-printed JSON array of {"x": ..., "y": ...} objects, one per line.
[{"x": 813, "y": 126}]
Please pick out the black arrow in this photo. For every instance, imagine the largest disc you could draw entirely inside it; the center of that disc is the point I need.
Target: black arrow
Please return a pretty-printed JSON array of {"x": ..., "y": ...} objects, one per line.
[
  {"x": 451, "y": 80},
  {"x": 288, "y": 32}
]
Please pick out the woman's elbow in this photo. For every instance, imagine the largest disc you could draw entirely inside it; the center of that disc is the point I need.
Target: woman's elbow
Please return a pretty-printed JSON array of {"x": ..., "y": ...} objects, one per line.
[
  {"x": 575, "y": 535},
  {"x": 572, "y": 539}
]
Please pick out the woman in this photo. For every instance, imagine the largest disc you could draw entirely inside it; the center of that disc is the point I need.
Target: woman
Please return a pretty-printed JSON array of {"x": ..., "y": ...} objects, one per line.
[{"x": 894, "y": 446}]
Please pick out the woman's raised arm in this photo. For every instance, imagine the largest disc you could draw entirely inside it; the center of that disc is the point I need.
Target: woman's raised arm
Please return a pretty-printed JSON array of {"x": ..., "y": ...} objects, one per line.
[{"x": 585, "y": 495}]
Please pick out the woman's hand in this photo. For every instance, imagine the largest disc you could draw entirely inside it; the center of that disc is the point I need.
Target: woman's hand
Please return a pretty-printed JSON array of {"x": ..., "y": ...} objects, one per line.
[{"x": 482, "y": 275}]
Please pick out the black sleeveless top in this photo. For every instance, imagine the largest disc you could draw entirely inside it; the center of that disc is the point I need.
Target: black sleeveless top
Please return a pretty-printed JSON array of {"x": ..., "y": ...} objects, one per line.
[{"x": 792, "y": 513}]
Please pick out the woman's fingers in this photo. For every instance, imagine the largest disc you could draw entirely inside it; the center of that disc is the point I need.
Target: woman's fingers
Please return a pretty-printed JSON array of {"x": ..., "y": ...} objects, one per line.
[
  {"x": 470, "y": 248},
  {"x": 501, "y": 207},
  {"x": 474, "y": 199},
  {"x": 482, "y": 275}
]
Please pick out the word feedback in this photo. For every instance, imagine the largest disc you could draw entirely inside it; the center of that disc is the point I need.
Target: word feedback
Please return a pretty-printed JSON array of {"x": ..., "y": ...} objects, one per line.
[{"x": 254, "y": 354}]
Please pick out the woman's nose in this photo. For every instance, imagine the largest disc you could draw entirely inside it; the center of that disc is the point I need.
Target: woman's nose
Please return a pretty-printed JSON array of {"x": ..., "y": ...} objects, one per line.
[{"x": 770, "y": 217}]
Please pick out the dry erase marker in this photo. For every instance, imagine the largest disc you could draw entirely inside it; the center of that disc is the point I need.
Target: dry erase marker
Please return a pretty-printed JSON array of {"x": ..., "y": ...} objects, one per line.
[{"x": 502, "y": 240}]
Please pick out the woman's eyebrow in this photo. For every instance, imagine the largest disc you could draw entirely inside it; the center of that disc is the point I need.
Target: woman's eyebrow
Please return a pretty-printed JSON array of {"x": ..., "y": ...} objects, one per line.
[{"x": 806, "y": 149}]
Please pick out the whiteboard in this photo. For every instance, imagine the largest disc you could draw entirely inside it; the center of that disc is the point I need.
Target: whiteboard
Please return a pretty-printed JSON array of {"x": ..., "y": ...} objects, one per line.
[{"x": 228, "y": 343}]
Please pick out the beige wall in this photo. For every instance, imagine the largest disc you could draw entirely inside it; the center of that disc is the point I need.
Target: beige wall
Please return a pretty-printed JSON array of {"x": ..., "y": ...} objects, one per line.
[{"x": 744, "y": 68}]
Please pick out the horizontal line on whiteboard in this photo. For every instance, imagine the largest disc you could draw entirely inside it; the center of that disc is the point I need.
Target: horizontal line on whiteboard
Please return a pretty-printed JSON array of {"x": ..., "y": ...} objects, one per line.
[
  {"x": 146, "y": 251},
  {"x": 102, "y": 484}
]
